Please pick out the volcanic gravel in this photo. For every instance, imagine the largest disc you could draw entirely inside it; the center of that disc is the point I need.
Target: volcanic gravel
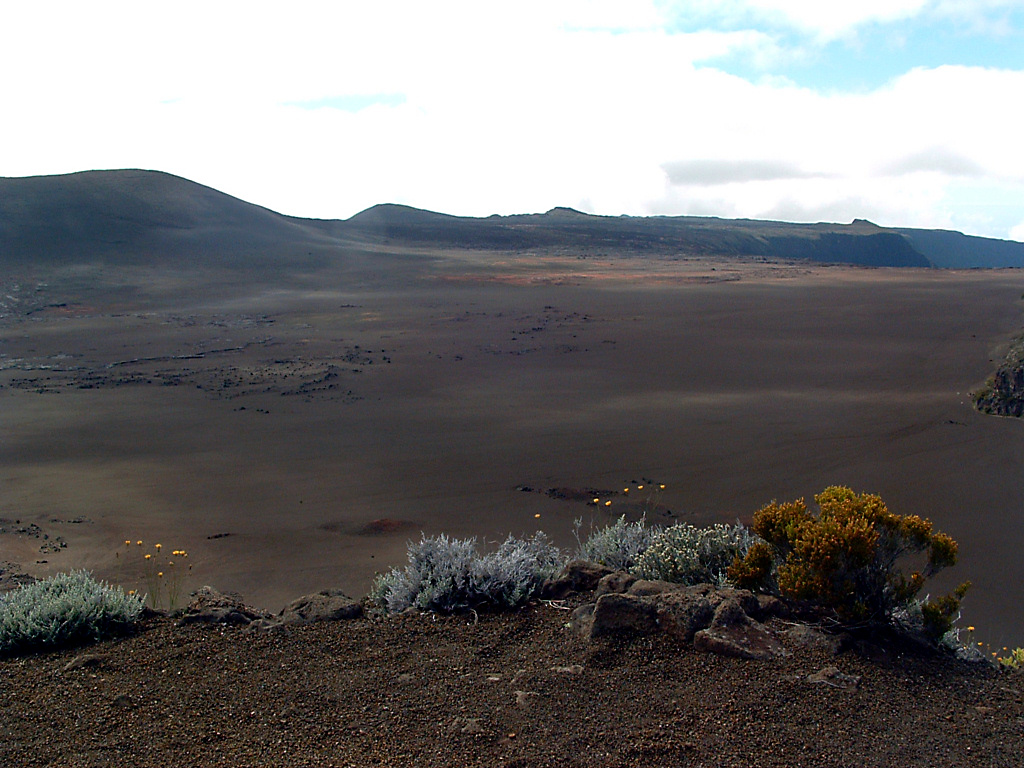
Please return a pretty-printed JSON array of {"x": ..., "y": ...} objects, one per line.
[{"x": 498, "y": 690}]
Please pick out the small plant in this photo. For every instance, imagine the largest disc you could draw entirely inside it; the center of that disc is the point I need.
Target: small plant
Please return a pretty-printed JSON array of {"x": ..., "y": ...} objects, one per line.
[
  {"x": 163, "y": 575},
  {"x": 448, "y": 575},
  {"x": 1013, "y": 660},
  {"x": 617, "y": 545},
  {"x": 685, "y": 554},
  {"x": 846, "y": 559},
  {"x": 65, "y": 609},
  {"x": 646, "y": 494},
  {"x": 939, "y": 614}
]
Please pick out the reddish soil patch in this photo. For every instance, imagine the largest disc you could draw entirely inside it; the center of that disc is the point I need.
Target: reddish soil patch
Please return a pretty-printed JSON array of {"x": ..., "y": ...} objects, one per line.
[{"x": 385, "y": 526}]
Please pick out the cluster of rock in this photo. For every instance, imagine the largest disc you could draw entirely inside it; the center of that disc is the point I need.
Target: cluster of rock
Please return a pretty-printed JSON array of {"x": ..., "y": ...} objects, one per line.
[
  {"x": 12, "y": 577},
  {"x": 1003, "y": 395},
  {"x": 208, "y": 606},
  {"x": 722, "y": 620}
]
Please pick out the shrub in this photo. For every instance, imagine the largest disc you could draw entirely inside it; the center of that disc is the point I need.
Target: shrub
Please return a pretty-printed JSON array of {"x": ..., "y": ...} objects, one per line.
[
  {"x": 514, "y": 573},
  {"x": 685, "y": 554},
  {"x": 617, "y": 545},
  {"x": 448, "y": 575},
  {"x": 845, "y": 558},
  {"x": 65, "y": 609},
  {"x": 1014, "y": 659}
]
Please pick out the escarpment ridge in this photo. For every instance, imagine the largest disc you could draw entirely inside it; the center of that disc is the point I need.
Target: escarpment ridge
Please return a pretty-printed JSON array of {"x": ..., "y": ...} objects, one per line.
[{"x": 139, "y": 216}]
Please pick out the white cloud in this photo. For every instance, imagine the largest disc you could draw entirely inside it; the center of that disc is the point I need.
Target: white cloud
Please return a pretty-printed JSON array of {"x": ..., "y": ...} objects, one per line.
[
  {"x": 827, "y": 21},
  {"x": 831, "y": 20},
  {"x": 706, "y": 172},
  {"x": 940, "y": 160}
]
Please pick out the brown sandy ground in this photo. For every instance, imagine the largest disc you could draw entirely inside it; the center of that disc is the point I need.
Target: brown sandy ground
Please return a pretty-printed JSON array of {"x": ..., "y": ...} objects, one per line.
[
  {"x": 495, "y": 690},
  {"x": 424, "y": 389}
]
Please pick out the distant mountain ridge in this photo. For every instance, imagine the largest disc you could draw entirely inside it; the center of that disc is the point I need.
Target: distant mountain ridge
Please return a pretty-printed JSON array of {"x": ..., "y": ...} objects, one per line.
[{"x": 131, "y": 216}]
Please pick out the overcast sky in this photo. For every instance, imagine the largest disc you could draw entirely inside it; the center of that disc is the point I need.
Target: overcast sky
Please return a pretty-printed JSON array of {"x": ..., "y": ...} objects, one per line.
[{"x": 905, "y": 112}]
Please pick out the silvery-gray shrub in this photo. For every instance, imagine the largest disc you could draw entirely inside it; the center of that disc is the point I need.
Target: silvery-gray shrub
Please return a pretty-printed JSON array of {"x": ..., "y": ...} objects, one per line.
[
  {"x": 617, "y": 545},
  {"x": 447, "y": 575},
  {"x": 65, "y": 609},
  {"x": 513, "y": 574},
  {"x": 685, "y": 554}
]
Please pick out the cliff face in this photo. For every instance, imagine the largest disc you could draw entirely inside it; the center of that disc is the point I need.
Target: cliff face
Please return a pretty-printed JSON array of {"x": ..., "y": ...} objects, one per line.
[{"x": 1003, "y": 394}]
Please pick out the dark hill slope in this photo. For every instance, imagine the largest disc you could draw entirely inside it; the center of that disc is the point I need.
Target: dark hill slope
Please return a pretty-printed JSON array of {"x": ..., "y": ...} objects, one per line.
[{"x": 128, "y": 215}]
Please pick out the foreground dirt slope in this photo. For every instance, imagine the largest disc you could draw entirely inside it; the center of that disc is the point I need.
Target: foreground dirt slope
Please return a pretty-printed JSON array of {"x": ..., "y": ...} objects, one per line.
[{"x": 514, "y": 690}]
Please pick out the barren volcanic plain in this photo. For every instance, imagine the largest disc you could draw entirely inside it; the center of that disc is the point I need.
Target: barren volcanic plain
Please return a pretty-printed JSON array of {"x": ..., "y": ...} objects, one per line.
[{"x": 293, "y": 431}]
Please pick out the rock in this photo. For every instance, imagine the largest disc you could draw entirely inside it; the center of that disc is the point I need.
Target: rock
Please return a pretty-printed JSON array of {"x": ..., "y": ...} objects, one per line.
[
  {"x": 572, "y": 669},
  {"x": 328, "y": 605},
  {"x": 729, "y": 613},
  {"x": 582, "y": 621},
  {"x": 770, "y": 607},
  {"x": 714, "y": 619},
  {"x": 734, "y": 633},
  {"x": 265, "y": 625},
  {"x": 803, "y": 636},
  {"x": 525, "y": 699},
  {"x": 616, "y": 582},
  {"x": 576, "y": 576},
  {"x": 741, "y": 641},
  {"x": 83, "y": 661},
  {"x": 11, "y": 575},
  {"x": 833, "y": 677},
  {"x": 467, "y": 725},
  {"x": 683, "y": 613},
  {"x": 208, "y": 606},
  {"x": 617, "y": 614},
  {"x": 644, "y": 588}
]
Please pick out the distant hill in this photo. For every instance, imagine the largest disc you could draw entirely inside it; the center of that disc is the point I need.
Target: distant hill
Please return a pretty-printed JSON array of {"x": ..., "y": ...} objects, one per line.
[
  {"x": 858, "y": 243},
  {"x": 135, "y": 216},
  {"x": 131, "y": 216}
]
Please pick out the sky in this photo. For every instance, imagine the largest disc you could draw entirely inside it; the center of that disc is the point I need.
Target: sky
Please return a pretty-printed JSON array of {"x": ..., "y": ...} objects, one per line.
[{"x": 903, "y": 112}]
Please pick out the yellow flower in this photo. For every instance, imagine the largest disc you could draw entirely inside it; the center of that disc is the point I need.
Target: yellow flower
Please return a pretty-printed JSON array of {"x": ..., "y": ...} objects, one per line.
[
  {"x": 537, "y": 515},
  {"x": 160, "y": 574},
  {"x": 662, "y": 486},
  {"x": 970, "y": 629},
  {"x": 607, "y": 503},
  {"x": 127, "y": 543},
  {"x": 139, "y": 543},
  {"x": 596, "y": 501},
  {"x": 158, "y": 546},
  {"x": 148, "y": 556},
  {"x": 639, "y": 487}
]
